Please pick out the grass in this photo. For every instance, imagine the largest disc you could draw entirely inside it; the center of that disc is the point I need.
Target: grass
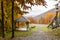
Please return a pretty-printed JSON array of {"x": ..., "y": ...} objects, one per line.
[
  {"x": 20, "y": 33},
  {"x": 54, "y": 32}
]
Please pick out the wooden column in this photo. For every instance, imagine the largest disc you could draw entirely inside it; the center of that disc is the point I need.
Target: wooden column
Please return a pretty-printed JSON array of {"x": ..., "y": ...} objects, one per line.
[
  {"x": 27, "y": 23},
  {"x": 18, "y": 24}
]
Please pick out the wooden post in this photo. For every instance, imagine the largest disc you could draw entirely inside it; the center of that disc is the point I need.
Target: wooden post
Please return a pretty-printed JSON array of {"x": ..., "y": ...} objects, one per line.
[
  {"x": 56, "y": 15},
  {"x": 12, "y": 18},
  {"x": 18, "y": 23},
  {"x": 27, "y": 23},
  {"x": 15, "y": 25},
  {"x": 2, "y": 19}
]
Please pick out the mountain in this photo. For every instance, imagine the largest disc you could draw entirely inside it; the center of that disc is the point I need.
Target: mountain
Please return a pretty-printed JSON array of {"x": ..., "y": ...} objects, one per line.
[{"x": 45, "y": 18}]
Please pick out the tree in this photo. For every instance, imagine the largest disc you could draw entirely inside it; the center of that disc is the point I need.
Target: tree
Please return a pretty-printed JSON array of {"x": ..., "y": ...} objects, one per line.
[{"x": 18, "y": 4}]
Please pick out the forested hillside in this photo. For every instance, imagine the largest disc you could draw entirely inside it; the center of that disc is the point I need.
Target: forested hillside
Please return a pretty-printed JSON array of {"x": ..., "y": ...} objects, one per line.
[{"x": 45, "y": 19}]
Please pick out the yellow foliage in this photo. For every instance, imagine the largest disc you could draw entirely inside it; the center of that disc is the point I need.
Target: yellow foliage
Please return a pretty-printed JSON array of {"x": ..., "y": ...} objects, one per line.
[
  {"x": 58, "y": 13},
  {"x": 46, "y": 19}
]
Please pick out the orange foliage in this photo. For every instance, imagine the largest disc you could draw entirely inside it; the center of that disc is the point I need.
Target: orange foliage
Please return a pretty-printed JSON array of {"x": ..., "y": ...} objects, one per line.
[
  {"x": 20, "y": 24},
  {"x": 46, "y": 19},
  {"x": 50, "y": 15},
  {"x": 31, "y": 20}
]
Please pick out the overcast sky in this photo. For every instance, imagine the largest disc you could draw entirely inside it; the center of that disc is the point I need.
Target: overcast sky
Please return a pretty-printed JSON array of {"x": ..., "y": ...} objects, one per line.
[{"x": 37, "y": 10}]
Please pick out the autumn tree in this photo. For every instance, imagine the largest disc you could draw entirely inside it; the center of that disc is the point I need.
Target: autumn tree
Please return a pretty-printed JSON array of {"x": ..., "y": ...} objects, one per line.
[{"x": 18, "y": 5}]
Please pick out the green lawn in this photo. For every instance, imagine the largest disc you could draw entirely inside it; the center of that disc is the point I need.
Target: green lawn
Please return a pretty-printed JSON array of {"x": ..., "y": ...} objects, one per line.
[
  {"x": 20, "y": 33},
  {"x": 54, "y": 32}
]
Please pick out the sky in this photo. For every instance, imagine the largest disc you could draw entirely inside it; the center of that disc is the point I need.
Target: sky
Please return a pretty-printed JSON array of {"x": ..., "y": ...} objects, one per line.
[{"x": 37, "y": 10}]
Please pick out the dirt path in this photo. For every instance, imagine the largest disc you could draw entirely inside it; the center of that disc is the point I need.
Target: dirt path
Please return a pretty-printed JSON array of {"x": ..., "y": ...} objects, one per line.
[{"x": 38, "y": 35}]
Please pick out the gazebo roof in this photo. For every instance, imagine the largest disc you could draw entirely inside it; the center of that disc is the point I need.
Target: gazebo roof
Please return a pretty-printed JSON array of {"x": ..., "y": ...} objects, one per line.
[{"x": 22, "y": 19}]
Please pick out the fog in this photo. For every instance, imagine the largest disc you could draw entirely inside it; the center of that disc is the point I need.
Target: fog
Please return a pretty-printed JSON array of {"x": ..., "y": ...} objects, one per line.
[{"x": 37, "y": 10}]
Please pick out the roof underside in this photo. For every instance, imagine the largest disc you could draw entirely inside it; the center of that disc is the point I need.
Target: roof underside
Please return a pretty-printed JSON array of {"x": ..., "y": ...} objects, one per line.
[{"x": 22, "y": 19}]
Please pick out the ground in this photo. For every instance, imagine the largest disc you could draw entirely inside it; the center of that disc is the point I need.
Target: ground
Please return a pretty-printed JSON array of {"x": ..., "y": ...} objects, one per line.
[{"x": 38, "y": 35}]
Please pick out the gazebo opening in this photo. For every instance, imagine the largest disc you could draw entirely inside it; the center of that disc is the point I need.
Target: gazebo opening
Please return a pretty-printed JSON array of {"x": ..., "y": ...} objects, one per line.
[{"x": 22, "y": 24}]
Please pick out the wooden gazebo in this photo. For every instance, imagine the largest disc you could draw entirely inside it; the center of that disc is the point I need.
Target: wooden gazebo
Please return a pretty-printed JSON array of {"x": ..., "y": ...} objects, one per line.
[{"x": 22, "y": 19}]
